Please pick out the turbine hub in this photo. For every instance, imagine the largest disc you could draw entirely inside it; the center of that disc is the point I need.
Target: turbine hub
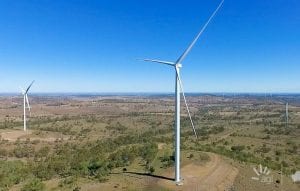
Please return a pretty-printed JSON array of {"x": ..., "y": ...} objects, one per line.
[{"x": 178, "y": 65}]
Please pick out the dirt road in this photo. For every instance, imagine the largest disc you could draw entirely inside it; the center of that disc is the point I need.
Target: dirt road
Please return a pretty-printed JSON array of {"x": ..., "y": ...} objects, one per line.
[{"x": 215, "y": 175}]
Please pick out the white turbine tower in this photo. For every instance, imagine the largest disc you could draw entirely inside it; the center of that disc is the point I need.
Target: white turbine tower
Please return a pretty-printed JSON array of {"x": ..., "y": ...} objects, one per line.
[
  {"x": 178, "y": 84},
  {"x": 26, "y": 102}
]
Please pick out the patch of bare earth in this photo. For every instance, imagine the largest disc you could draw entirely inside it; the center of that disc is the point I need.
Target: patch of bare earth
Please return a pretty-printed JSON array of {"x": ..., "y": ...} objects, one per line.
[
  {"x": 14, "y": 135},
  {"x": 161, "y": 146},
  {"x": 215, "y": 175}
]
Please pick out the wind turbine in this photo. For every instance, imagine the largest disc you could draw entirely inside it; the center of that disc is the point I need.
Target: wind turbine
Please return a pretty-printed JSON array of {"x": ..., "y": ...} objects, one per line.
[
  {"x": 26, "y": 101},
  {"x": 178, "y": 84}
]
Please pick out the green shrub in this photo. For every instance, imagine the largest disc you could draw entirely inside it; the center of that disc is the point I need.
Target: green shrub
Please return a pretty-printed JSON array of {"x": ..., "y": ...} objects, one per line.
[
  {"x": 12, "y": 172},
  {"x": 151, "y": 170},
  {"x": 34, "y": 185},
  {"x": 238, "y": 148}
]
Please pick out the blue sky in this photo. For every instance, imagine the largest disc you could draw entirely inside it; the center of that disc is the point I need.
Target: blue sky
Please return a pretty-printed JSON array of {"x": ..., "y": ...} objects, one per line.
[{"x": 92, "y": 46}]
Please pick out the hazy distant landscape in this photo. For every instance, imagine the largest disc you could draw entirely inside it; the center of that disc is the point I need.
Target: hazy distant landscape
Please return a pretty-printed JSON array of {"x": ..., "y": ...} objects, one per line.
[{"x": 125, "y": 142}]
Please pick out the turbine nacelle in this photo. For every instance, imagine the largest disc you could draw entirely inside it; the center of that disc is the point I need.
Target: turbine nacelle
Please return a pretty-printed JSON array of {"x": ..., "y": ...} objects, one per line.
[
  {"x": 178, "y": 65},
  {"x": 22, "y": 91}
]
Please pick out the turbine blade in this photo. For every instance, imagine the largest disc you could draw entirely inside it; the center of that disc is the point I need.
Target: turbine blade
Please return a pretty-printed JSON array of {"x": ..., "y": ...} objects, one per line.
[
  {"x": 27, "y": 101},
  {"x": 160, "y": 61},
  {"x": 180, "y": 59},
  {"x": 186, "y": 105},
  {"x": 29, "y": 87}
]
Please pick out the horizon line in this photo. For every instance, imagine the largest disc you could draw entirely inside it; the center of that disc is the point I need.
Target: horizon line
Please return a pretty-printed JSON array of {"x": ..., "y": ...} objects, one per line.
[{"x": 146, "y": 92}]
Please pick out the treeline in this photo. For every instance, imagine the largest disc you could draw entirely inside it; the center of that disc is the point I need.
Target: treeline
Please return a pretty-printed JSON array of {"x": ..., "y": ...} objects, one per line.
[
  {"x": 24, "y": 151},
  {"x": 239, "y": 154},
  {"x": 10, "y": 123},
  {"x": 34, "y": 121},
  {"x": 93, "y": 160}
]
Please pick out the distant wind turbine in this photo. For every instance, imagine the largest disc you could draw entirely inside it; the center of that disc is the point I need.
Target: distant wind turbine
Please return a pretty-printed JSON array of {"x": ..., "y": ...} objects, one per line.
[
  {"x": 26, "y": 102},
  {"x": 178, "y": 83}
]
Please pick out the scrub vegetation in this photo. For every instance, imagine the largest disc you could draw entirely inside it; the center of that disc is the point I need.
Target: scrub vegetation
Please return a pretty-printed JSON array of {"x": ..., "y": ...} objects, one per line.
[{"x": 100, "y": 140}]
